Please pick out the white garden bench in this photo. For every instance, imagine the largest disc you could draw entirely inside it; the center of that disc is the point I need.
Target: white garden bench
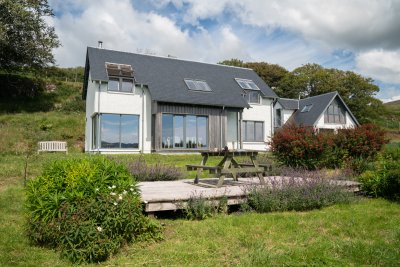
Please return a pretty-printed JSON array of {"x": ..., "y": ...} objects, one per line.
[{"x": 53, "y": 146}]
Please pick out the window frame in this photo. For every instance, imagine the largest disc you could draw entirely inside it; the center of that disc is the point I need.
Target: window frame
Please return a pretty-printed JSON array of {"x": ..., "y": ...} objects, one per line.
[
  {"x": 247, "y": 96},
  {"x": 184, "y": 137},
  {"x": 244, "y": 131},
  {"x": 97, "y": 134},
  {"x": 335, "y": 114},
  {"x": 120, "y": 83},
  {"x": 278, "y": 123}
]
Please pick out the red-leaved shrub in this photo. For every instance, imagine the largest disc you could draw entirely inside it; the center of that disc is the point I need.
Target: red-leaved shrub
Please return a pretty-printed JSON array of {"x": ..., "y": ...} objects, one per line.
[{"x": 298, "y": 146}]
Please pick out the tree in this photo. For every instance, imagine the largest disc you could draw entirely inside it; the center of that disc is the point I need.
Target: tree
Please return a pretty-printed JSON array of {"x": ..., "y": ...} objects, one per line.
[
  {"x": 312, "y": 79},
  {"x": 232, "y": 62},
  {"x": 25, "y": 38},
  {"x": 270, "y": 73}
]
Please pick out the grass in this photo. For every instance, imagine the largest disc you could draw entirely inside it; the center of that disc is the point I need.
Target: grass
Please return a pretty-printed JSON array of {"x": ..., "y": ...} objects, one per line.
[{"x": 364, "y": 233}]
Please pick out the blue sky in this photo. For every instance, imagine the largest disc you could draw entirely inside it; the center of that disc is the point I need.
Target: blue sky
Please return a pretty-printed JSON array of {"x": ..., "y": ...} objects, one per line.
[{"x": 358, "y": 35}]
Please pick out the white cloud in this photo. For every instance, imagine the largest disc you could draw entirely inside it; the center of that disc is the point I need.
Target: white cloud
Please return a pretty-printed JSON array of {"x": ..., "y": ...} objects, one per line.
[
  {"x": 379, "y": 64},
  {"x": 121, "y": 27},
  {"x": 350, "y": 24}
]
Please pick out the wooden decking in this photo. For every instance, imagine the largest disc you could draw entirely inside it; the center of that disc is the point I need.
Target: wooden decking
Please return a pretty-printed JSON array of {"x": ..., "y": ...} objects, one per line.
[{"x": 173, "y": 195}]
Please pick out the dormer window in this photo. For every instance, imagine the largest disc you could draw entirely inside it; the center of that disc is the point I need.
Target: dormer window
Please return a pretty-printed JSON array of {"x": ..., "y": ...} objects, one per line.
[
  {"x": 247, "y": 84},
  {"x": 197, "y": 85},
  {"x": 120, "y": 77}
]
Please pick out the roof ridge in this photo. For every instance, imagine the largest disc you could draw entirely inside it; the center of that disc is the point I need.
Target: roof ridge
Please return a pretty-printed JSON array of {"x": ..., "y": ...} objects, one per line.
[
  {"x": 336, "y": 92},
  {"x": 172, "y": 58},
  {"x": 288, "y": 98}
]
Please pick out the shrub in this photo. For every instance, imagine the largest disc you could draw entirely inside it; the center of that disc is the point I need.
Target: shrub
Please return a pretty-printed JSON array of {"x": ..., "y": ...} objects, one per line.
[
  {"x": 158, "y": 172},
  {"x": 200, "y": 208},
  {"x": 287, "y": 193},
  {"x": 87, "y": 208},
  {"x": 297, "y": 146},
  {"x": 361, "y": 142},
  {"x": 383, "y": 178}
]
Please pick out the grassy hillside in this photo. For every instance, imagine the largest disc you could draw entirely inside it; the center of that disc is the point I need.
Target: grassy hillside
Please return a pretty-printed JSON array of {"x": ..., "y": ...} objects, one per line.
[
  {"x": 56, "y": 112},
  {"x": 391, "y": 120}
]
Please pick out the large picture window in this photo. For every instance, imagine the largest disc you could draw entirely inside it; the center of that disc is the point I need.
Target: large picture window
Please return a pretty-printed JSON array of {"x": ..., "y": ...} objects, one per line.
[
  {"x": 116, "y": 131},
  {"x": 253, "y": 131},
  {"x": 184, "y": 131},
  {"x": 335, "y": 114}
]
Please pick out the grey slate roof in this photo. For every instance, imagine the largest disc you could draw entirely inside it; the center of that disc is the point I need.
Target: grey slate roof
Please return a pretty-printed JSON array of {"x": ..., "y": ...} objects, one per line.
[
  {"x": 165, "y": 78},
  {"x": 319, "y": 104},
  {"x": 287, "y": 103}
]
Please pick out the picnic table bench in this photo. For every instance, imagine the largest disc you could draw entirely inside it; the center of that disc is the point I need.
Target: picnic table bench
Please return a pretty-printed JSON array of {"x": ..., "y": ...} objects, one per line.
[{"x": 229, "y": 166}]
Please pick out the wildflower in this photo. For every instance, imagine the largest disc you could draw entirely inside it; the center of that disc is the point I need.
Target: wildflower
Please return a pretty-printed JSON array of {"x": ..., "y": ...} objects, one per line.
[
  {"x": 124, "y": 192},
  {"x": 96, "y": 190},
  {"x": 112, "y": 193},
  {"x": 131, "y": 189},
  {"x": 115, "y": 203},
  {"x": 119, "y": 197},
  {"x": 109, "y": 187},
  {"x": 99, "y": 229},
  {"x": 113, "y": 187}
]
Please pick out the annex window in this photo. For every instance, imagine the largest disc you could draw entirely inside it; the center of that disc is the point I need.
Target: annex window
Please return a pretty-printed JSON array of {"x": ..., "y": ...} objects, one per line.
[
  {"x": 253, "y": 131},
  {"x": 306, "y": 108},
  {"x": 247, "y": 84},
  {"x": 335, "y": 114},
  {"x": 184, "y": 131},
  {"x": 197, "y": 85},
  {"x": 116, "y": 131},
  {"x": 278, "y": 117}
]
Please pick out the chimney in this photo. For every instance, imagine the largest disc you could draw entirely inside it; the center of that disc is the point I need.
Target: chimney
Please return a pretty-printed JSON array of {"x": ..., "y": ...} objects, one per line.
[{"x": 100, "y": 44}]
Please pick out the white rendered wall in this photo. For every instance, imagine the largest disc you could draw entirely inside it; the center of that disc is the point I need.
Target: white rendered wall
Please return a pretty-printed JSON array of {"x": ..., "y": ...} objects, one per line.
[
  {"x": 285, "y": 113},
  {"x": 260, "y": 112},
  {"x": 118, "y": 103},
  {"x": 350, "y": 123}
]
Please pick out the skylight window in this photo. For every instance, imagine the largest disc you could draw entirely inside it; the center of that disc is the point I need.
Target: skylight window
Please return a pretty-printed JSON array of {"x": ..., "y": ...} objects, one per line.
[
  {"x": 121, "y": 70},
  {"x": 307, "y": 108},
  {"x": 197, "y": 85},
  {"x": 247, "y": 84}
]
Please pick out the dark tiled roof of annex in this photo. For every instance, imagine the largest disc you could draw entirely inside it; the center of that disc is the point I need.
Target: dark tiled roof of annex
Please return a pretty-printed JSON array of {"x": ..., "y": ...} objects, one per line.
[
  {"x": 308, "y": 110},
  {"x": 165, "y": 78}
]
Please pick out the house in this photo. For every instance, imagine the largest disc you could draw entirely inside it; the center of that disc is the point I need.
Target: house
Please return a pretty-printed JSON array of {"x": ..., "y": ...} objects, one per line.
[
  {"x": 145, "y": 103},
  {"x": 323, "y": 112}
]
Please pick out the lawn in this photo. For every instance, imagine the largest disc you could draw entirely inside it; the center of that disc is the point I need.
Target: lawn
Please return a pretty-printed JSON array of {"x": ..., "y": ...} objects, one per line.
[{"x": 366, "y": 232}]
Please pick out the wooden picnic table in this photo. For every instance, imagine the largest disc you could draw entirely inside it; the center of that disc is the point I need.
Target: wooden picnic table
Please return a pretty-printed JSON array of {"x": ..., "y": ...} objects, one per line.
[{"x": 228, "y": 165}]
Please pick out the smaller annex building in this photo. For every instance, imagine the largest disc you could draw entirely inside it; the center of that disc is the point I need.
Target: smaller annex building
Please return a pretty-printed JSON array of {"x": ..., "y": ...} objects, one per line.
[
  {"x": 323, "y": 112},
  {"x": 143, "y": 103}
]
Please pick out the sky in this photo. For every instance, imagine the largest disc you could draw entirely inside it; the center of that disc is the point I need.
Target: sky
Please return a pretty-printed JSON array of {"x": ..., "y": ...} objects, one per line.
[{"x": 358, "y": 35}]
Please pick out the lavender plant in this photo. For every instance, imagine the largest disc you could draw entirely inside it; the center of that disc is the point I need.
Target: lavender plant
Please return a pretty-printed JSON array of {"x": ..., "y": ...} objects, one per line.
[
  {"x": 158, "y": 172},
  {"x": 297, "y": 190}
]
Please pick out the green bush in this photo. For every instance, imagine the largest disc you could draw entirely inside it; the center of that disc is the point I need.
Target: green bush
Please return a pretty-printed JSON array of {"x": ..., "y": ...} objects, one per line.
[
  {"x": 87, "y": 208},
  {"x": 383, "y": 177}
]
